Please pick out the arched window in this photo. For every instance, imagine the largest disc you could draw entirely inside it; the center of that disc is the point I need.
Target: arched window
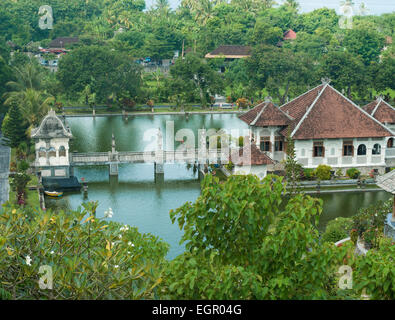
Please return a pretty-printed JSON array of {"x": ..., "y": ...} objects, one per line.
[
  {"x": 390, "y": 143},
  {"x": 42, "y": 153},
  {"x": 62, "y": 151},
  {"x": 51, "y": 152},
  {"x": 376, "y": 149},
  {"x": 362, "y": 150}
]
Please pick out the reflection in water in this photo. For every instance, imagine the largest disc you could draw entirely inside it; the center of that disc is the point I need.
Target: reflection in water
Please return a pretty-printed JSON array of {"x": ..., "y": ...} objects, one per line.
[{"x": 135, "y": 197}]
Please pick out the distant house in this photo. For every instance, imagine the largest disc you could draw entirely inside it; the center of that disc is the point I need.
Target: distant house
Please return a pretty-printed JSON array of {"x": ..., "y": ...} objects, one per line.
[
  {"x": 60, "y": 43},
  {"x": 230, "y": 52},
  {"x": 327, "y": 128},
  {"x": 289, "y": 35}
]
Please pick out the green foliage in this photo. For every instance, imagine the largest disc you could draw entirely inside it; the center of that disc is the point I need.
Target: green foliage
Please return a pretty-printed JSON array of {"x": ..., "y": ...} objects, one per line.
[
  {"x": 323, "y": 172},
  {"x": 309, "y": 174},
  {"x": 198, "y": 75},
  {"x": 292, "y": 168},
  {"x": 14, "y": 127},
  {"x": 337, "y": 230},
  {"x": 375, "y": 272},
  {"x": 353, "y": 173},
  {"x": 244, "y": 243},
  {"x": 108, "y": 73},
  {"x": 224, "y": 207},
  {"x": 91, "y": 258}
]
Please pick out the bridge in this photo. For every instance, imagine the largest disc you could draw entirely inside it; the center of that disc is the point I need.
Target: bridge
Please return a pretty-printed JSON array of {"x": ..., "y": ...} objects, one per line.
[{"x": 158, "y": 157}]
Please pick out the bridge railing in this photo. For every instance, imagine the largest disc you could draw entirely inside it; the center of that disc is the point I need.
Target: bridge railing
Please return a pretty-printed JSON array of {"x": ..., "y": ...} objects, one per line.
[
  {"x": 90, "y": 157},
  {"x": 188, "y": 155}
]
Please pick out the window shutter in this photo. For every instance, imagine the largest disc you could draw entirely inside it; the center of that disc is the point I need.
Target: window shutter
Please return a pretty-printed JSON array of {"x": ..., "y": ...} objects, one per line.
[{"x": 323, "y": 152}]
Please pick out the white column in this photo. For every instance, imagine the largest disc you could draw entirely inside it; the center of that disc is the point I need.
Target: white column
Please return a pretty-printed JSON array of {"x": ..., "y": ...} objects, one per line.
[
  {"x": 369, "y": 148},
  {"x": 272, "y": 142},
  {"x": 354, "y": 158},
  {"x": 310, "y": 152},
  {"x": 257, "y": 137}
]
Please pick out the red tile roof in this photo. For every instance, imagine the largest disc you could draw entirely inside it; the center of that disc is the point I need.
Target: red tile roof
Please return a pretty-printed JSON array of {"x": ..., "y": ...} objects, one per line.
[
  {"x": 381, "y": 110},
  {"x": 332, "y": 116},
  {"x": 290, "y": 35},
  {"x": 323, "y": 113},
  {"x": 250, "y": 155},
  {"x": 266, "y": 114}
]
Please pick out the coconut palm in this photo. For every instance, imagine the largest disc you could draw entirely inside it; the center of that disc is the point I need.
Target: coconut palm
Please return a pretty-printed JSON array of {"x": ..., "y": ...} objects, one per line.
[
  {"x": 363, "y": 9},
  {"x": 293, "y": 4},
  {"x": 28, "y": 76},
  {"x": 33, "y": 104}
]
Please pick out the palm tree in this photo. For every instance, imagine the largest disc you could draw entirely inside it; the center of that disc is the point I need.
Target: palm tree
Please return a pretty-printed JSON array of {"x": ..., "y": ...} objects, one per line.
[
  {"x": 363, "y": 9},
  {"x": 34, "y": 104},
  {"x": 28, "y": 76},
  {"x": 293, "y": 4}
]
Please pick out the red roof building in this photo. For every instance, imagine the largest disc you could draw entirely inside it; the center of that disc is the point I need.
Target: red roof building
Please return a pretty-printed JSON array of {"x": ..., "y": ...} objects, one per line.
[
  {"x": 327, "y": 127},
  {"x": 289, "y": 35}
]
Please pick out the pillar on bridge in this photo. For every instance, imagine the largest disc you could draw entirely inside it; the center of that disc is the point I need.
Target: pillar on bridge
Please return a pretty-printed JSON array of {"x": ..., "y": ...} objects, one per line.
[
  {"x": 159, "y": 157},
  {"x": 113, "y": 157}
]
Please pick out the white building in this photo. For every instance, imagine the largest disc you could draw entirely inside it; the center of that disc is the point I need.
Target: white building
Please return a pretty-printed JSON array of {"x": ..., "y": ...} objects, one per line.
[
  {"x": 52, "y": 147},
  {"x": 327, "y": 128}
]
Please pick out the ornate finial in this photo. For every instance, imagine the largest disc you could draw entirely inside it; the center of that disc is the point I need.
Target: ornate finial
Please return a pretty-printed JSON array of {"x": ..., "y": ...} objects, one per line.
[{"x": 326, "y": 80}]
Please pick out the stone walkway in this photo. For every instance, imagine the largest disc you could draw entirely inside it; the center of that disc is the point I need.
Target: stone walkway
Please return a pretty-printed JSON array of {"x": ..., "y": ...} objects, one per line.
[{"x": 5, "y": 155}]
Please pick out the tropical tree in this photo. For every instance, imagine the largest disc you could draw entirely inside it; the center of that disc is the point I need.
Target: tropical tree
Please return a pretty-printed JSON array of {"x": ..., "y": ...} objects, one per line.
[
  {"x": 245, "y": 241},
  {"x": 195, "y": 71},
  {"x": 14, "y": 127},
  {"x": 33, "y": 104}
]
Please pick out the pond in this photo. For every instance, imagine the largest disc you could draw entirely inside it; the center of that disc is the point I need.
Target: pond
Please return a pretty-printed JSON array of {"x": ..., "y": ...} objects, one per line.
[{"x": 138, "y": 200}]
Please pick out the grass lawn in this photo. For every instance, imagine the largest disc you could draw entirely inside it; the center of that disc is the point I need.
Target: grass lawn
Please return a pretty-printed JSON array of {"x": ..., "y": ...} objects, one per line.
[{"x": 32, "y": 198}]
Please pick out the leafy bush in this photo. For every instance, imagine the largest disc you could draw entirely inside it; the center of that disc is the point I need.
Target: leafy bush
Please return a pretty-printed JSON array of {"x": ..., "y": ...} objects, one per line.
[
  {"x": 375, "y": 271},
  {"x": 308, "y": 174},
  {"x": 229, "y": 166},
  {"x": 369, "y": 222},
  {"x": 353, "y": 173},
  {"x": 91, "y": 258},
  {"x": 323, "y": 172},
  {"x": 337, "y": 229}
]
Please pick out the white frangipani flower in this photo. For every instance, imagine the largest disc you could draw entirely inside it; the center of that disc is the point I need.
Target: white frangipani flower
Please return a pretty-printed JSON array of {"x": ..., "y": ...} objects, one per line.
[
  {"x": 130, "y": 243},
  {"x": 52, "y": 252},
  {"x": 116, "y": 266},
  {"x": 108, "y": 213},
  {"x": 124, "y": 228},
  {"x": 28, "y": 260}
]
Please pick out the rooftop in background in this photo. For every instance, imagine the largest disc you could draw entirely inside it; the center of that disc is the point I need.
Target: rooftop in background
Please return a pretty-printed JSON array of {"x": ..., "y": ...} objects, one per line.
[
  {"x": 320, "y": 113},
  {"x": 381, "y": 110},
  {"x": 289, "y": 35},
  {"x": 61, "y": 42},
  {"x": 230, "y": 52}
]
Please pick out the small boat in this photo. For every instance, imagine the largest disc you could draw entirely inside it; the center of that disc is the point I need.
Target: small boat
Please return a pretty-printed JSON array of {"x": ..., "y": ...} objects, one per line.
[{"x": 53, "y": 194}]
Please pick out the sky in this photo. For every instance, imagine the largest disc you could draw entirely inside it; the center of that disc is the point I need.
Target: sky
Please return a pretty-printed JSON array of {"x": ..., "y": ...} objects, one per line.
[{"x": 375, "y": 6}]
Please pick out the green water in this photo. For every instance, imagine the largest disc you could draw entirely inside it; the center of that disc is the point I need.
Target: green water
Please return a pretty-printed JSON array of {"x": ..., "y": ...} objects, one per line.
[{"x": 138, "y": 200}]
